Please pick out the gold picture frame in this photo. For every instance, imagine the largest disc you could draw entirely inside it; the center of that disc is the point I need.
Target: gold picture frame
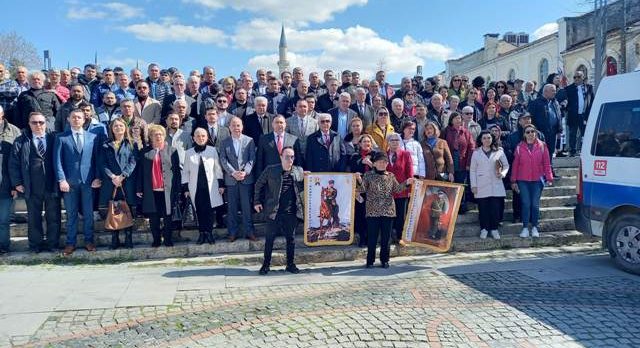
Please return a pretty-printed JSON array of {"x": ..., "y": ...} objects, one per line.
[
  {"x": 430, "y": 199},
  {"x": 329, "y": 208}
]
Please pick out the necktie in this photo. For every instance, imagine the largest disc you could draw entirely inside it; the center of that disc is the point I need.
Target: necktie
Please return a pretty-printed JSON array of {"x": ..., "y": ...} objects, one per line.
[
  {"x": 279, "y": 143},
  {"x": 393, "y": 158},
  {"x": 78, "y": 142},
  {"x": 301, "y": 127},
  {"x": 41, "y": 150},
  {"x": 327, "y": 140},
  {"x": 361, "y": 110},
  {"x": 212, "y": 134}
]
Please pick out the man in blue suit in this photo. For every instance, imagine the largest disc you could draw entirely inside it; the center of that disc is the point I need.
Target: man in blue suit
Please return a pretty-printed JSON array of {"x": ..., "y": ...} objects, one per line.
[{"x": 75, "y": 152}]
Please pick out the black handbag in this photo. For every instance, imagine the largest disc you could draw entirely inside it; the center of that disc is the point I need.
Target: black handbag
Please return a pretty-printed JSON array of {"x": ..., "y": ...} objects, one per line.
[{"x": 189, "y": 217}]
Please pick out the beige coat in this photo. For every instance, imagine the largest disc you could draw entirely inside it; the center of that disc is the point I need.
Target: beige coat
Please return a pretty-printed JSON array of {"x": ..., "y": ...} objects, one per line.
[{"x": 483, "y": 173}]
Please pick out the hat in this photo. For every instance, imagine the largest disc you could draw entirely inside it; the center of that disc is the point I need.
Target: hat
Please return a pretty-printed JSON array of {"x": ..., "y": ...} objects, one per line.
[{"x": 379, "y": 155}]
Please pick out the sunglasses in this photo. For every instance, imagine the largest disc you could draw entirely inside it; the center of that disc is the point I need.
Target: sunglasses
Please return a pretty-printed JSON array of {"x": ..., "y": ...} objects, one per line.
[
  {"x": 325, "y": 121},
  {"x": 529, "y": 132},
  {"x": 456, "y": 80},
  {"x": 465, "y": 80},
  {"x": 467, "y": 113},
  {"x": 221, "y": 101},
  {"x": 37, "y": 123},
  {"x": 500, "y": 87},
  {"x": 141, "y": 88},
  {"x": 383, "y": 114}
]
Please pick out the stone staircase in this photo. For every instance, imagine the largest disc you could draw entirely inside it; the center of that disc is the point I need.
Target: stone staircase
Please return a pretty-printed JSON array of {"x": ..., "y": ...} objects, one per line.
[{"x": 556, "y": 227}]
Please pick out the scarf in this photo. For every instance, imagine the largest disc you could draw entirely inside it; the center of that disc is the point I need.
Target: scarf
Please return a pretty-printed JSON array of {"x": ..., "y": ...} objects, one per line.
[
  {"x": 364, "y": 154},
  {"x": 199, "y": 148},
  {"x": 431, "y": 141}
]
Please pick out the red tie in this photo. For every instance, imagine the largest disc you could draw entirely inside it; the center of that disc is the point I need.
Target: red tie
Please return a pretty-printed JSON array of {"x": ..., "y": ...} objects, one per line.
[{"x": 279, "y": 144}]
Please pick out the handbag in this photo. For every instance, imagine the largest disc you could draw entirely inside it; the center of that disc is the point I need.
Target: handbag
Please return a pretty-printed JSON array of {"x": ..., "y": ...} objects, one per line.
[
  {"x": 118, "y": 213},
  {"x": 189, "y": 218}
]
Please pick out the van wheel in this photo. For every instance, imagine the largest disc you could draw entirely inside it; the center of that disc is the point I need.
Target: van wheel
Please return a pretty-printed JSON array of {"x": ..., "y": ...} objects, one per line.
[{"x": 624, "y": 243}]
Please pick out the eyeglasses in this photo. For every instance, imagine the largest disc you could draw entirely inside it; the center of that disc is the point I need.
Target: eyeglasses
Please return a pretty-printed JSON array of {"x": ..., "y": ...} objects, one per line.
[
  {"x": 221, "y": 101},
  {"x": 456, "y": 80},
  {"x": 383, "y": 114},
  {"x": 325, "y": 121},
  {"x": 141, "y": 88},
  {"x": 37, "y": 123},
  {"x": 394, "y": 140},
  {"x": 500, "y": 87},
  {"x": 529, "y": 132},
  {"x": 467, "y": 113},
  {"x": 464, "y": 80}
]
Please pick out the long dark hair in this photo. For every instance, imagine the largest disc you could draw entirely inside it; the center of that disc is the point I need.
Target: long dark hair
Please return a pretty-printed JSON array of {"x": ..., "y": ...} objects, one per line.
[{"x": 494, "y": 141}]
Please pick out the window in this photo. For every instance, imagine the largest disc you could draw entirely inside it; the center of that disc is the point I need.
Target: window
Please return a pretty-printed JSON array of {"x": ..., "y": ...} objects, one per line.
[
  {"x": 618, "y": 130},
  {"x": 512, "y": 75},
  {"x": 612, "y": 66},
  {"x": 543, "y": 70}
]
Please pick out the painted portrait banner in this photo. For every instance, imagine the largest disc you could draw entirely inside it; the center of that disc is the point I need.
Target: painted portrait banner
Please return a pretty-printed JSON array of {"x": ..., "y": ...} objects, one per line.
[
  {"x": 329, "y": 208},
  {"x": 432, "y": 213}
]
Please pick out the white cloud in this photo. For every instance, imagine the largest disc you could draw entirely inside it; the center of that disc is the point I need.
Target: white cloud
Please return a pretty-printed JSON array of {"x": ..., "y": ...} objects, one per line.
[
  {"x": 358, "y": 48},
  {"x": 170, "y": 31},
  {"x": 313, "y": 11},
  {"x": 109, "y": 10},
  {"x": 544, "y": 30},
  {"x": 123, "y": 62}
]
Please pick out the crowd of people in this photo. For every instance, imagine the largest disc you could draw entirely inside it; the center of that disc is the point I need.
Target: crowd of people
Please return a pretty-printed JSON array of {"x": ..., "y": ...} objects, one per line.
[{"x": 236, "y": 148}]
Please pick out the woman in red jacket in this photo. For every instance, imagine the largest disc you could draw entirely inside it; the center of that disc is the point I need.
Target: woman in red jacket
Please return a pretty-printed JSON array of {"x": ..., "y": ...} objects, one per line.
[
  {"x": 401, "y": 166},
  {"x": 461, "y": 145},
  {"x": 530, "y": 170}
]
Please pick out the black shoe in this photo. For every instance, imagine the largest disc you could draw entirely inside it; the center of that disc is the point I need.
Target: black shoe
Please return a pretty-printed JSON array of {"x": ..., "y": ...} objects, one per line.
[
  {"x": 210, "y": 238},
  {"x": 115, "y": 240},
  {"x": 369, "y": 265},
  {"x": 264, "y": 270},
  {"x": 155, "y": 244},
  {"x": 292, "y": 269},
  {"x": 128, "y": 239},
  {"x": 201, "y": 238},
  {"x": 221, "y": 225},
  {"x": 385, "y": 265},
  {"x": 168, "y": 243}
]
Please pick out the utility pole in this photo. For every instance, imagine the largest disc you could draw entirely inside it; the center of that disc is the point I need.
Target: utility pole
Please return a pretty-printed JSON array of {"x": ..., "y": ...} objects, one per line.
[
  {"x": 600, "y": 39},
  {"x": 623, "y": 39}
]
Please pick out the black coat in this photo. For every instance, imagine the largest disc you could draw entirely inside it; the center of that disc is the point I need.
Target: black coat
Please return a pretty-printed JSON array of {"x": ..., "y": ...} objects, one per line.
[
  {"x": 41, "y": 100},
  {"x": 267, "y": 190},
  {"x": 323, "y": 159},
  {"x": 326, "y": 103},
  {"x": 540, "y": 117},
  {"x": 19, "y": 168},
  {"x": 119, "y": 162},
  {"x": 171, "y": 168},
  {"x": 267, "y": 153},
  {"x": 252, "y": 127},
  {"x": 572, "y": 103}
]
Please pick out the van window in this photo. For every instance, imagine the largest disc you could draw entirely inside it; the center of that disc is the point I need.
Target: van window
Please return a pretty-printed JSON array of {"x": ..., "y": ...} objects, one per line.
[{"x": 618, "y": 130}]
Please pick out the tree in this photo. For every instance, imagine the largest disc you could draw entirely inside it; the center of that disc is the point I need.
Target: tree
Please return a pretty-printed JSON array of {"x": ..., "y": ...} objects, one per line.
[{"x": 15, "y": 51}]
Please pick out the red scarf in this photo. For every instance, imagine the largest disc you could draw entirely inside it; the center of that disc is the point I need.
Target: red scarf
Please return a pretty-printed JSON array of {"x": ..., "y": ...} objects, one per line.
[
  {"x": 157, "y": 182},
  {"x": 364, "y": 154}
]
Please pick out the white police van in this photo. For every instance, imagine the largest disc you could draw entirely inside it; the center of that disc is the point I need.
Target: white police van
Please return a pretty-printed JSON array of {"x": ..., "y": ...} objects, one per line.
[{"x": 609, "y": 179}]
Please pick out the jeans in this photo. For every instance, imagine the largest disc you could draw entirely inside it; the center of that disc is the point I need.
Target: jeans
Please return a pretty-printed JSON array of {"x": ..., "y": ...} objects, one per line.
[
  {"x": 379, "y": 225},
  {"x": 5, "y": 214},
  {"x": 285, "y": 224},
  {"x": 79, "y": 198},
  {"x": 240, "y": 194},
  {"x": 530, "y": 192}
]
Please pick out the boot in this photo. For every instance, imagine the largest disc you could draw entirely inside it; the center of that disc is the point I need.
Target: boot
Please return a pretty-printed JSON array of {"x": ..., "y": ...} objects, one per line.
[
  {"x": 210, "y": 238},
  {"x": 201, "y": 238},
  {"x": 128, "y": 239},
  {"x": 115, "y": 240},
  {"x": 156, "y": 238},
  {"x": 168, "y": 240}
]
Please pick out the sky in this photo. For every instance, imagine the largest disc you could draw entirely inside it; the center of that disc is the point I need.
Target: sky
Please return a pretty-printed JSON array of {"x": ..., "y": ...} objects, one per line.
[{"x": 237, "y": 35}]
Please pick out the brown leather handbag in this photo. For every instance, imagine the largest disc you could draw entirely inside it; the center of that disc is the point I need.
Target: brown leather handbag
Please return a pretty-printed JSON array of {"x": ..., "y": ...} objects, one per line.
[{"x": 118, "y": 213}]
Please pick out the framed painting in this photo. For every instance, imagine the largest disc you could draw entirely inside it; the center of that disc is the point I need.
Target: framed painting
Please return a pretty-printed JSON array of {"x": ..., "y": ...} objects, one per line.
[
  {"x": 329, "y": 208},
  {"x": 432, "y": 214}
]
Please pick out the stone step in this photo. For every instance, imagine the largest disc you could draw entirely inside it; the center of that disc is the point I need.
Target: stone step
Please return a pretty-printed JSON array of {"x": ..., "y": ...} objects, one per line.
[
  {"x": 553, "y": 219},
  {"x": 472, "y": 217},
  {"x": 250, "y": 253},
  {"x": 553, "y": 191}
]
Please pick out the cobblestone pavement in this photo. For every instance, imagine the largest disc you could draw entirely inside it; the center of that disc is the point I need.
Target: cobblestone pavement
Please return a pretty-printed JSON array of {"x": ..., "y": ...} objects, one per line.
[{"x": 559, "y": 301}]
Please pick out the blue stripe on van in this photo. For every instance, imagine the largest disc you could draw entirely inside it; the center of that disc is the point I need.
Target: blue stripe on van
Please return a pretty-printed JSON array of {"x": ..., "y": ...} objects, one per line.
[{"x": 604, "y": 197}]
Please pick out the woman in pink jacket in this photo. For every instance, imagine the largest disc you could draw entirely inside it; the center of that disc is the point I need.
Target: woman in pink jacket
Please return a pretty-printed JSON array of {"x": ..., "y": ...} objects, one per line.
[{"x": 530, "y": 170}]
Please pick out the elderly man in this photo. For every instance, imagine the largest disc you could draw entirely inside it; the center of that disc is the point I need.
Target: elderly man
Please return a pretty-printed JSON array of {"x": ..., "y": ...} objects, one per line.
[
  {"x": 136, "y": 76},
  {"x": 437, "y": 112},
  {"x": 37, "y": 99},
  {"x": 579, "y": 99},
  {"x": 22, "y": 79},
  {"x": 325, "y": 149},
  {"x": 301, "y": 124},
  {"x": 179, "y": 88},
  {"x": 467, "y": 122},
  {"x": 146, "y": 107},
  {"x": 260, "y": 86},
  {"x": 364, "y": 110},
  {"x": 508, "y": 113},
  {"x": 271, "y": 144},
  {"x": 187, "y": 122},
  {"x": 240, "y": 106},
  {"x": 278, "y": 193},
  {"x": 373, "y": 91},
  {"x": 297, "y": 76},
  {"x": 9, "y": 92},
  {"x": 546, "y": 116},
  {"x": 342, "y": 115},
  {"x": 259, "y": 122},
  {"x": 8, "y": 134},
  {"x": 397, "y": 115},
  {"x": 32, "y": 174}
]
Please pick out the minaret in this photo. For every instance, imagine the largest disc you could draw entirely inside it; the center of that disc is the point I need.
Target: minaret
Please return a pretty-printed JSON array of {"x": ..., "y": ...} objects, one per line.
[{"x": 283, "y": 63}]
